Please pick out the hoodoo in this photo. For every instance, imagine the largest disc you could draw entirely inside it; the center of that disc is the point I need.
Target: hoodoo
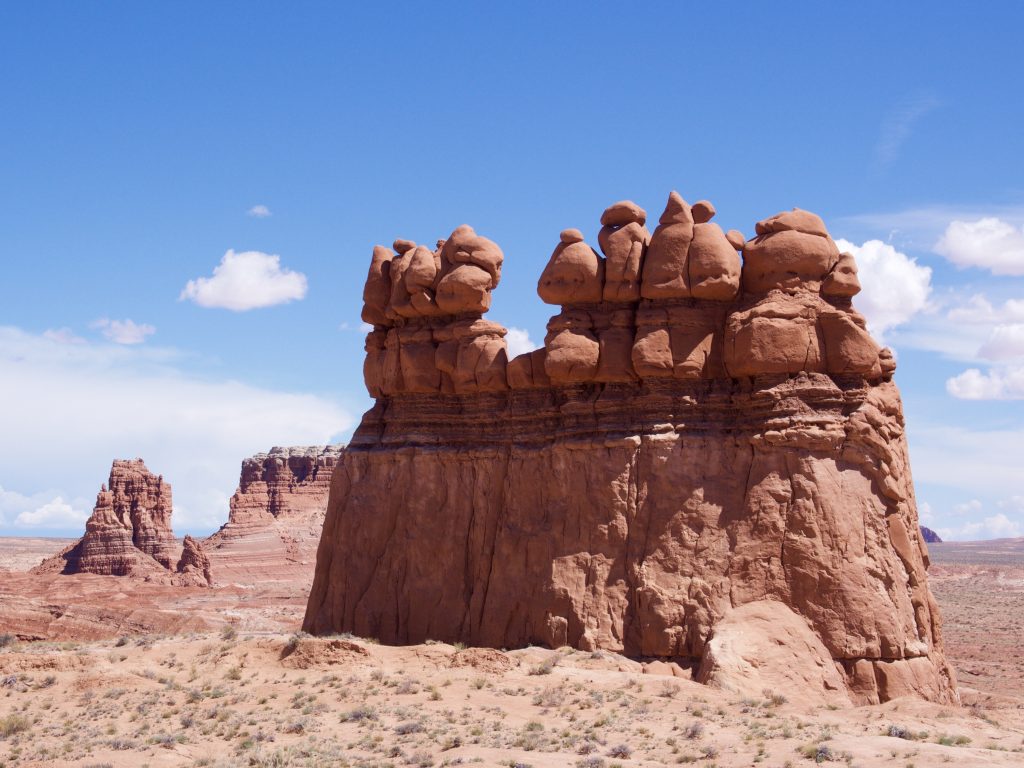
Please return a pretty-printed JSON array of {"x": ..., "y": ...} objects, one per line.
[{"x": 706, "y": 450}]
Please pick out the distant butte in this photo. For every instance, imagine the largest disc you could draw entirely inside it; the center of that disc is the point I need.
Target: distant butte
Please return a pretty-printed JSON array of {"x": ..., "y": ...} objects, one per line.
[
  {"x": 129, "y": 533},
  {"x": 706, "y": 459},
  {"x": 275, "y": 517}
]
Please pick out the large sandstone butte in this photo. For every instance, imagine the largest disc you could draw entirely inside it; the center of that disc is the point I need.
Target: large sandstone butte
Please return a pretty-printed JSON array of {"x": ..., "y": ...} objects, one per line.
[
  {"x": 699, "y": 434},
  {"x": 129, "y": 533},
  {"x": 275, "y": 517}
]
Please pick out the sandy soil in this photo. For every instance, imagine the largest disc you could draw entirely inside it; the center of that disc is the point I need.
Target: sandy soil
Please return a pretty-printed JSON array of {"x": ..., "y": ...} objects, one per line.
[
  {"x": 980, "y": 588},
  {"x": 245, "y": 691},
  {"x": 222, "y": 700},
  {"x": 19, "y": 553}
]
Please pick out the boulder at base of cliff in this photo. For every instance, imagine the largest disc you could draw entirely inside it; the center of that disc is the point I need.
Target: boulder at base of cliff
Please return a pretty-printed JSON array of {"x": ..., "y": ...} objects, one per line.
[{"x": 765, "y": 646}]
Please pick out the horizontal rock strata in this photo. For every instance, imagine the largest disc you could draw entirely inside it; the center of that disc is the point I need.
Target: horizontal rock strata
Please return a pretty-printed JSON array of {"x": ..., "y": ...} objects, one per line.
[
  {"x": 698, "y": 433},
  {"x": 275, "y": 517},
  {"x": 129, "y": 533}
]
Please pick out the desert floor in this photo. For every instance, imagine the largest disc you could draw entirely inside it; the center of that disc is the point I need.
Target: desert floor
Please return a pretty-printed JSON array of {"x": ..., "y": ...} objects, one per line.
[{"x": 240, "y": 697}]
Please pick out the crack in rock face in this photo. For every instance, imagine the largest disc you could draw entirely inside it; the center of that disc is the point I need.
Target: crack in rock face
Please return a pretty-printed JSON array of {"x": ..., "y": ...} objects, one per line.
[{"x": 706, "y": 459}]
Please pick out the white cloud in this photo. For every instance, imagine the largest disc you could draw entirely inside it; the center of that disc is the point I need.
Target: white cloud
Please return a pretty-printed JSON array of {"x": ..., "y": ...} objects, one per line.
[
  {"x": 123, "y": 331},
  {"x": 997, "y": 526},
  {"x": 259, "y": 212},
  {"x": 988, "y": 243},
  {"x": 979, "y": 310},
  {"x": 894, "y": 287},
  {"x": 246, "y": 280},
  {"x": 997, "y": 384},
  {"x": 519, "y": 342},
  {"x": 365, "y": 327},
  {"x": 69, "y": 410},
  {"x": 56, "y": 513},
  {"x": 1005, "y": 343}
]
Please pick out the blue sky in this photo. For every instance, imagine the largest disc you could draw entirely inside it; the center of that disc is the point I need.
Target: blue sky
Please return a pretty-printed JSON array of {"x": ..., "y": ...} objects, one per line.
[{"x": 136, "y": 140}]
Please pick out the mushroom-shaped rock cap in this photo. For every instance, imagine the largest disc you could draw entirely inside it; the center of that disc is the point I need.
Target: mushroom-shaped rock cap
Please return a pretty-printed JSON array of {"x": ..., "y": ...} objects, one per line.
[
  {"x": 796, "y": 220},
  {"x": 573, "y": 275},
  {"x": 568, "y": 236},
  {"x": 465, "y": 246},
  {"x": 703, "y": 211},
  {"x": 622, "y": 213},
  {"x": 736, "y": 239},
  {"x": 403, "y": 246}
]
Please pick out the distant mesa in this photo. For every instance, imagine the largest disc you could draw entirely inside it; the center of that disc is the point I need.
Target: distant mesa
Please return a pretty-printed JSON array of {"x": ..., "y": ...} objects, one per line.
[
  {"x": 129, "y": 533},
  {"x": 273, "y": 528},
  {"x": 708, "y": 425},
  {"x": 930, "y": 536},
  {"x": 275, "y": 517}
]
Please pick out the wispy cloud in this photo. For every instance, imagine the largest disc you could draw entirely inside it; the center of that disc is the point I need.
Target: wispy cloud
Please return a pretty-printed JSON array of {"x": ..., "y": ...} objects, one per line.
[
  {"x": 897, "y": 127},
  {"x": 79, "y": 406},
  {"x": 123, "y": 331},
  {"x": 259, "y": 212}
]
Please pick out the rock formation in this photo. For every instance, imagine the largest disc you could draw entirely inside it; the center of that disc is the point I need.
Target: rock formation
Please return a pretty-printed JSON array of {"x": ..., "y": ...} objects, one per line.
[
  {"x": 697, "y": 434},
  {"x": 129, "y": 533},
  {"x": 275, "y": 517},
  {"x": 930, "y": 536}
]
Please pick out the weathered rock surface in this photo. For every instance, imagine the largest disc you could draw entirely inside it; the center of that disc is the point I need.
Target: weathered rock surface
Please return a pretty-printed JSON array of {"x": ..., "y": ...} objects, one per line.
[
  {"x": 129, "y": 532},
  {"x": 275, "y": 517},
  {"x": 766, "y": 646},
  {"x": 662, "y": 462}
]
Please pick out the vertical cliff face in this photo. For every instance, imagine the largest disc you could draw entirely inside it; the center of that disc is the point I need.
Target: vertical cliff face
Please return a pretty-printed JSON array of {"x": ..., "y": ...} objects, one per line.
[
  {"x": 699, "y": 433},
  {"x": 129, "y": 532},
  {"x": 276, "y": 516}
]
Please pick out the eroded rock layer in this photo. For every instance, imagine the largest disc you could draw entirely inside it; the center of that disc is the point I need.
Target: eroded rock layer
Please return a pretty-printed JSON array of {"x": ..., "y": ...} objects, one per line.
[
  {"x": 697, "y": 434},
  {"x": 129, "y": 532},
  {"x": 275, "y": 517}
]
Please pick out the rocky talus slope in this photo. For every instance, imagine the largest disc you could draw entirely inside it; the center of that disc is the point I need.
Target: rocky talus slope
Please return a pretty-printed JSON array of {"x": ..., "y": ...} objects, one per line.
[
  {"x": 707, "y": 457},
  {"x": 129, "y": 533},
  {"x": 275, "y": 517}
]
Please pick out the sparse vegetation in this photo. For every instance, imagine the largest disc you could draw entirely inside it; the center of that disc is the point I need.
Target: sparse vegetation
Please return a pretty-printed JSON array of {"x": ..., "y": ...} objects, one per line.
[{"x": 241, "y": 707}]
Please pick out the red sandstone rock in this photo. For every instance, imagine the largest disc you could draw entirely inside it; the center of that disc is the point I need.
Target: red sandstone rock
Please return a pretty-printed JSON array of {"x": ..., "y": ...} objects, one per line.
[
  {"x": 275, "y": 517},
  {"x": 622, "y": 213},
  {"x": 129, "y": 534},
  {"x": 660, "y": 464},
  {"x": 703, "y": 211},
  {"x": 796, "y": 220},
  {"x": 377, "y": 291},
  {"x": 665, "y": 266},
  {"x": 842, "y": 280},
  {"x": 194, "y": 565},
  {"x": 713, "y": 266},
  {"x": 574, "y": 274},
  {"x": 787, "y": 260},
  {"x": 129, "y": 531},
  {"x": 766, "y": 646},
  {"x": 623, "y": 239}
]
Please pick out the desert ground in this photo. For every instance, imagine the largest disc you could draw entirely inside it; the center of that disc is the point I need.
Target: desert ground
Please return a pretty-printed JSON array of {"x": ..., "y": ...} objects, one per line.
[{"x": 248, "y": 691}]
